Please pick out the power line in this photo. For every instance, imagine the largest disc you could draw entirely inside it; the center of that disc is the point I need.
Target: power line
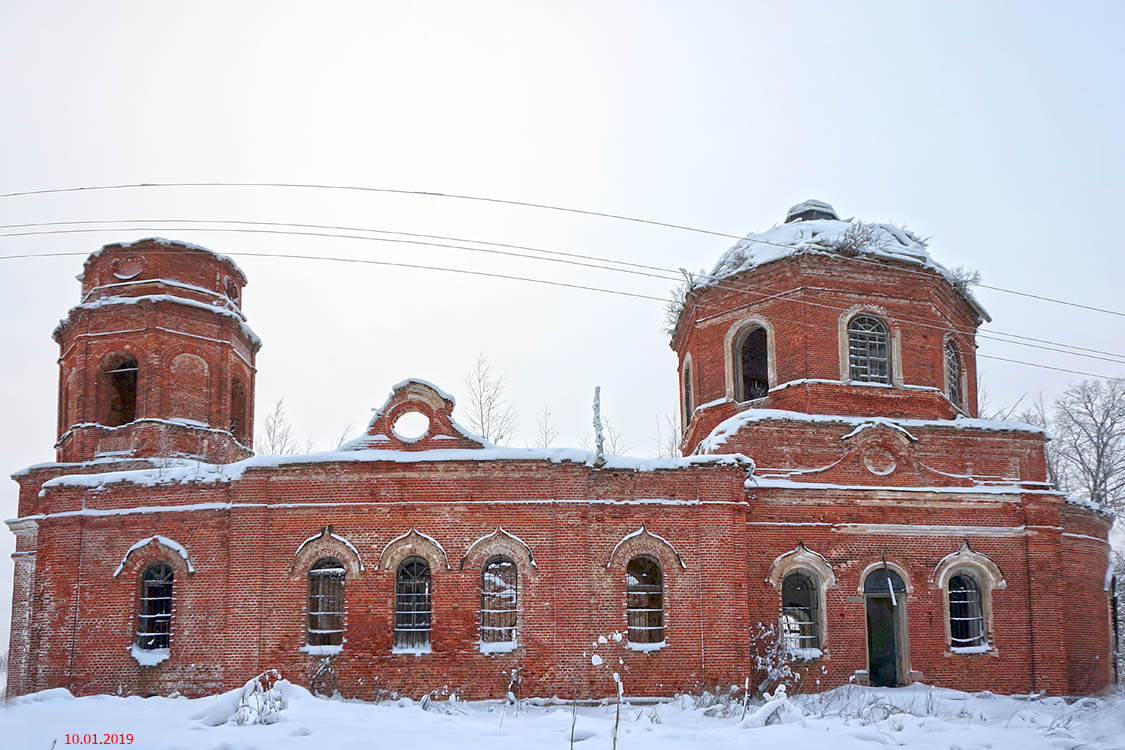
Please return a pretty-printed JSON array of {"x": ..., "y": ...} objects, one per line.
[
  {"x": 484, "y": 199},
  {"x": 1043, "y": 344},
  {"x": 534, "y": 280}
]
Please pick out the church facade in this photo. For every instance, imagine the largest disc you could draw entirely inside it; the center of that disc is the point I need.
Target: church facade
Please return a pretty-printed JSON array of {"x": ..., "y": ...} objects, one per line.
[{"x": 839, "y": 508}]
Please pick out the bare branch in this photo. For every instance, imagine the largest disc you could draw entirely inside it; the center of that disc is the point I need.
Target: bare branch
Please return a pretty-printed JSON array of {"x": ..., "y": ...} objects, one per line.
[{"x": 491, "y": 415}]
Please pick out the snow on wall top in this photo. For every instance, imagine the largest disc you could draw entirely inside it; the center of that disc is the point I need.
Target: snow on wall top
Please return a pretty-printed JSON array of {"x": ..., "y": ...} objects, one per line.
[
  {"x": 190, "y": 471},
  {"x": 731, "y": 425},
  {"x": 174, "y": 243},
  {"x": 885, "y": 242}
]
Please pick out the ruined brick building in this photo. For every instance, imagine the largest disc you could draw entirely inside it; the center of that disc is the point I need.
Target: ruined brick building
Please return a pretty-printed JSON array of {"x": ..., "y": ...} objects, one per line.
[{"x": 837, "y": 485}]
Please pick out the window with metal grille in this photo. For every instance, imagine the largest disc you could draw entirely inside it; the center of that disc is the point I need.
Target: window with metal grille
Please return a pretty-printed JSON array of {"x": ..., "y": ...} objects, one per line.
[
  {"x": 326, "y": 603},
  {"x": 799, "y": 616},
  {"x": 966, "y": 616},
  {"x": 868, "y": 353},
  {"x": 154, "y": 617},
  {"x": 644, "y": 600},
  {"x": 953, "y": 373},
  {"x": 498, "y": 601},
  {"x": 412, "y": 604}
]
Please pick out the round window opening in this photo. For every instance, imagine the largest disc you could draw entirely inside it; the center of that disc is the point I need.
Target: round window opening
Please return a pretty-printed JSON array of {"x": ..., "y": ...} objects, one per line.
[{"x": 411, "y": 426}]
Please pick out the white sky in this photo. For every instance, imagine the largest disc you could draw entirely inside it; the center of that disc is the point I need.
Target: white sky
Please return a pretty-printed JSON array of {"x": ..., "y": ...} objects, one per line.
[{"x": 995, "y": 130}]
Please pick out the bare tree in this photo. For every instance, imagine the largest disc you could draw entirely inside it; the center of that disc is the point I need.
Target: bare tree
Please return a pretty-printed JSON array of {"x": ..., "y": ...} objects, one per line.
[
  {"x": 614, "y": 441},
  {"x": 1089, "y": 429},
  {"x": 345, "y": 434},
  {"x": 277, "y": 438},
  {"x": 545, "y": 434},
  {"x": 668, "y": 433},
  {"x": 1039, "y": 414},
  {"x": 491, "y": 414}
]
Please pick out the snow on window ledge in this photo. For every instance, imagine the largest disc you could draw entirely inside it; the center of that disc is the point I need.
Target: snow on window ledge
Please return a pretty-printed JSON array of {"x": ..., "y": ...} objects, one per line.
[
  {"x": 149, "y": 657},
  {"x": 411, "y": 650},
  {"x": 983, "y": 648},
  {"x": 646, "y": 646},
  {"x": 806, "y": 654},
  {"x": 501, "y": 647},
  {"x": 326, "y": 650}
]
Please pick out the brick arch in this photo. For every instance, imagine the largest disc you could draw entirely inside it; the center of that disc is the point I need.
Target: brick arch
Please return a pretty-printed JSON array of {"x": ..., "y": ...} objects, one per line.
[
  {"x": 413, "y": 544},
  {"x": 644, "y": 542},
  {"x": 892, "y": 565},
  {"x": 189, "y": 381},
  {"x": 152, "y": 549},
  {"x": 800, "y": 557},
  {"x": 499, "y": 542},
  {"x": 326, "y": 543}
]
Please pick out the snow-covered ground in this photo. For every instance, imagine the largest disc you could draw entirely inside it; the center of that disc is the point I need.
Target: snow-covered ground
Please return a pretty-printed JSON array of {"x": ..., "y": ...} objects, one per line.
[{"x": 916, "y": 717}]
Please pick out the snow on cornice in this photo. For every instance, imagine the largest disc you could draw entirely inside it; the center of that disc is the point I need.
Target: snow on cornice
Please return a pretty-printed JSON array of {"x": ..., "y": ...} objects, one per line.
[
  {"x": 195, "y": 472},
  {"x": 116, "y": 300},
  {"x": 731, "y": 425},
  {"x": 875, "y": 241},
  {"x": 171, "y": 243}
]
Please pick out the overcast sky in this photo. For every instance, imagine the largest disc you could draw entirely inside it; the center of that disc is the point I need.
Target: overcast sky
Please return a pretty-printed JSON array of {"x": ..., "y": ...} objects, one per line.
[{"x": 995, "y": 129}]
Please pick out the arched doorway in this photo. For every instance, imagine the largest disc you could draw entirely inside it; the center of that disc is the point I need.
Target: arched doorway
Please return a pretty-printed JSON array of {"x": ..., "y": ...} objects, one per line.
[{"x": 887, "y": 644}]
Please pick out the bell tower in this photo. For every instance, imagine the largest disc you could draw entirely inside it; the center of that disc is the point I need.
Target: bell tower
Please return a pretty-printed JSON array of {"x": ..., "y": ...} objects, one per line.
[{"x": 156, "y": 359}]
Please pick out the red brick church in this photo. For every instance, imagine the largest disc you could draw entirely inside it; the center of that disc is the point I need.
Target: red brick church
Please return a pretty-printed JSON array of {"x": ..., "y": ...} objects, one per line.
[{"x": 837, "y": 486}]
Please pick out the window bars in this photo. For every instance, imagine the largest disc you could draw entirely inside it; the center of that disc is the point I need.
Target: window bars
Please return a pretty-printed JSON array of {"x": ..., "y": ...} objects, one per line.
[
  {"x": 412, "y": 604},
  {"x": 799, "y": 617},
  {"x": 644, "y": 600},
  {"x": 966, "y": 616},
  {"x": 154, "y": 618},
  {"x": 326, "y": 603},
  {"x": 498, "y": 601},
  {"x": 953, "y": 373},
  {"x": 868, "y": 354}
]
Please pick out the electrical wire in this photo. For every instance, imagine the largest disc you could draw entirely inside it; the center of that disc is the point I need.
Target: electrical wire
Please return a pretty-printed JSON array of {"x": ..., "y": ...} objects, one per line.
[
  {"x": 417, "y": 266},
  {"x": 481, "y": 199},
  {"x": 1043, "y": 344}
]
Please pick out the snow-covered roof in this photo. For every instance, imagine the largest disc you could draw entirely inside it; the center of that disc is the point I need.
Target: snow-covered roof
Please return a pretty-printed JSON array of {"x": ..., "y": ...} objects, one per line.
[
  {"x": 851, "y": 238},
  {"x": 171, "y": 243}
]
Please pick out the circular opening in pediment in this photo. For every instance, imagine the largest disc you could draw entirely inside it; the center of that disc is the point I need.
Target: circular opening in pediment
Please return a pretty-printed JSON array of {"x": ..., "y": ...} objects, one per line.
[
  {"x": 411, "y": 426},
  {"x": 879, "y": 460}
]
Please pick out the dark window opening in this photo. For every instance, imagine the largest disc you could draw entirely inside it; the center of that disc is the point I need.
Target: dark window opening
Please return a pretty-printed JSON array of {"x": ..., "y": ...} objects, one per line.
[
  {"x": 498, "y": 601},
  {"x": 966, "y": 619},
  {"x": 868, "y": 352},
  {"x": 953, "y": 373},
  {"x": 644, "y": 599},
  {"x": 154, "y": 618},
  {"x": 326, "y": 603},
  {"x": 753, "y": 365},
  {"x": 238, "y": 420},
  {"x": 118, "y": 390},
  {"x": 689, "y": 405},
  {"x": 412, "y": 605},
  {"x": 799, "y": 616}
]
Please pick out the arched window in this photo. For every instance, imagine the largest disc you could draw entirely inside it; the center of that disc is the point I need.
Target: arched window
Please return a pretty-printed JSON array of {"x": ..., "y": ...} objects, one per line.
[
  {"x": 238, "y": 420},
  {"x": 498, "y": 601},
  {"x": 751, "y": 359},
  {"x": 966, "y": 615},
  {"x": 118, "y": 390},
  {"x": 412, "y": 605},
  {"x": 800, "y": 619},
  {"x": 689, "y": 402},
  {"x": 326, "y": 603},
  {"x": 644, "y": 600},
  {"x": 154, "y": 616},
  {"x": 868, "y": 350},
  {"x": 953, "y": 373}
]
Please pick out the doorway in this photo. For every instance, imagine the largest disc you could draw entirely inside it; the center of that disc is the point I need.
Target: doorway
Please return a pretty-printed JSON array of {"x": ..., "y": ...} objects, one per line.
[{"x": 885, "y": 596}]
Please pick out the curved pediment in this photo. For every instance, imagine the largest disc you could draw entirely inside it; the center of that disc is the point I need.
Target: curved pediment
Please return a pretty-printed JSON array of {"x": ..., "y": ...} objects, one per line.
[{"x": 416, "y": 397}]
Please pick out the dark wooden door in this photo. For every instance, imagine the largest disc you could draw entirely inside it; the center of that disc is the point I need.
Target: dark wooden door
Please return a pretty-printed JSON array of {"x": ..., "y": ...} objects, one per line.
[{"x": 882, "y": 646}]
